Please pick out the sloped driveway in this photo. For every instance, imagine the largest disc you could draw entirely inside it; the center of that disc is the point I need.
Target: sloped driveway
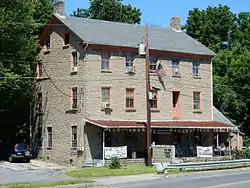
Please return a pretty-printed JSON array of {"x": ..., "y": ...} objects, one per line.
[{"x": 35, "y": 171}]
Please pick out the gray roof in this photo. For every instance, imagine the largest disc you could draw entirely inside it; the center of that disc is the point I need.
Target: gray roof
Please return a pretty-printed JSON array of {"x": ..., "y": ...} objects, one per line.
[
  {"x": 130, "y": 35},
  {"x": 220, "y": 117}
]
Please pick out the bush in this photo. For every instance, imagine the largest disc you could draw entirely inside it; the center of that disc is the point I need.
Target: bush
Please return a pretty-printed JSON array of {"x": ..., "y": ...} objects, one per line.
[
  {"x": 115, "y": 163},
  {"x": 237, "y": 154},
  {"x": 247, "y": 153}
]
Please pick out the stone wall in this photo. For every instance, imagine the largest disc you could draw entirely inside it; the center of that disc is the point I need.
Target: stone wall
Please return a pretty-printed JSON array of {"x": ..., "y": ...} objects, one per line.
[
  {"x": 162, "y": 153},
  {"x": 128, "y": 162}
]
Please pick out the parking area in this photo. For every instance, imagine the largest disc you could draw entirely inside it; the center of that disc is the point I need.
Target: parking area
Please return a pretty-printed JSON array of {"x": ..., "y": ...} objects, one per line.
[{"x": 35, "y": 171}]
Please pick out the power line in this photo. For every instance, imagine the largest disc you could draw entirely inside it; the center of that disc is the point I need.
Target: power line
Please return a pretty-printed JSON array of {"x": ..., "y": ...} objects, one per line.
[{"x": 199, "y": 85}]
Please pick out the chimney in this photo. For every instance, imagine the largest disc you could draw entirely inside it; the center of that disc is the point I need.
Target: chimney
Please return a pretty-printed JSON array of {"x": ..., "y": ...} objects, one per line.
[
  {"x": 175, "y": 23},
  {"x": 59, "y": 7}
]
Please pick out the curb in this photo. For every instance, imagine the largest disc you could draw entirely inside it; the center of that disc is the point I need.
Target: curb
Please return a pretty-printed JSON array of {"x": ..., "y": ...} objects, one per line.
[{"x": 84, "y": 185}]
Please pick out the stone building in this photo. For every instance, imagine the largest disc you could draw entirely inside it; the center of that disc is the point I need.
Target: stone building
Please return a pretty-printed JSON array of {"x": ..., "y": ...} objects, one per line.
[{"x": 91, "y": 89}]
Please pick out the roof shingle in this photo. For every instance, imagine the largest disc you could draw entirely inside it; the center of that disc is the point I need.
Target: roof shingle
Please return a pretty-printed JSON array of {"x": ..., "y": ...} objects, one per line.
[{"x": 130, "y": 35}]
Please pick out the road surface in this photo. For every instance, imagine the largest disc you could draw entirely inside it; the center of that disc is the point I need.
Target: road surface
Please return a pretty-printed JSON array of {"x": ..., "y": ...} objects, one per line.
[
  {"x": 218, "y": 179},
  {"x": 39, "y": 172}
]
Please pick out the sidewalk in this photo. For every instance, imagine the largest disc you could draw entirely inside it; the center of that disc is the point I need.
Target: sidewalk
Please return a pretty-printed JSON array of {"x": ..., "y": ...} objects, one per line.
[{"x": 49, "y": 165}]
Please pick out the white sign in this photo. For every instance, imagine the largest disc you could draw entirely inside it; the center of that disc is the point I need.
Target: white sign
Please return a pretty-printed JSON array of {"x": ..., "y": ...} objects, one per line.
[
  {"x": 204, "y": 151},
  {"x": 120, "y": 152}
]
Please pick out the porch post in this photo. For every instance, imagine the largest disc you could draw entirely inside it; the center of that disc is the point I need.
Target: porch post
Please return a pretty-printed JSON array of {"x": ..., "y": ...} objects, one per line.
[
  {"x": 217, "y": 139},
  {"x": 103, "y": 147}
]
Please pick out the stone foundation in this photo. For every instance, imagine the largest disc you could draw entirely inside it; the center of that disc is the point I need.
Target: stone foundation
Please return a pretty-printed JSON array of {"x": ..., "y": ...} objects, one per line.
[{"x": 128, "y": 162}]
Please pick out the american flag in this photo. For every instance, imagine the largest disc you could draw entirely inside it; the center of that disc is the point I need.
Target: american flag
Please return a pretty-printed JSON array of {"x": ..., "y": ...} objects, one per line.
[{"x": 160, "y": 70}]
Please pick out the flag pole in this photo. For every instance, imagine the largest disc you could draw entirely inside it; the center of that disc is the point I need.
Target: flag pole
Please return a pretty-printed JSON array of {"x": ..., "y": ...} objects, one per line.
[{"x": 148, "y": 133}]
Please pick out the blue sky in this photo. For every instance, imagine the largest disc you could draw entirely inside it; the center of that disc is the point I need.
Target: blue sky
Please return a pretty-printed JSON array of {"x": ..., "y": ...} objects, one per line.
[{"x": 159, "y": 12}]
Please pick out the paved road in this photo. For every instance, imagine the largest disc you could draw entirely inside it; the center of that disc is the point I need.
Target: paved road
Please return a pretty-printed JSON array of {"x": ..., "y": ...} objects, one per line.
[
  {"x": 28, "y": 172},
  {"x": 38, "y": 172},
  {"x": 219, "y": 179}
]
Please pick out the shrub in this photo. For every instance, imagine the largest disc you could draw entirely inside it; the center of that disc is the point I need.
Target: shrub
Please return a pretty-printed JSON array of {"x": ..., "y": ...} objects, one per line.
[
  {"x": 237, "y": 154},
  {"x": 115, "y": 163},
  {"x": 247, "y": 153}
]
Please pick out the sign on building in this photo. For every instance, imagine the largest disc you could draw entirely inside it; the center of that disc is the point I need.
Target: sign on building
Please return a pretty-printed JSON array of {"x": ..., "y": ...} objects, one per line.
[
  {"x": 204, "y": 151},
  {"x": 120, "y": 152}
]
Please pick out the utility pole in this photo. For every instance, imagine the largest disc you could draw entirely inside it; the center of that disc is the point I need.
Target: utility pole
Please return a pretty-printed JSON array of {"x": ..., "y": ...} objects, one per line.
[{"x": 148, "y": 135}]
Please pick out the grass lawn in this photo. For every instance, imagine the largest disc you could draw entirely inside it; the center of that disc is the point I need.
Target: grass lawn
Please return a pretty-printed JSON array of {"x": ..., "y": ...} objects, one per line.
[
  {"x": 105, "y": 171},
  {"x": 34, "y": 185}
]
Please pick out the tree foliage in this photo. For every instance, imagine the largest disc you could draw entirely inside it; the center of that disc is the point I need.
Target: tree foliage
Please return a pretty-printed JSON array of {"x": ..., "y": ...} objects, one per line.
[
  {"x": 110, "y": 10},
  {"x": 228, "y": 34},
  {"x": 20, "y": 25}
]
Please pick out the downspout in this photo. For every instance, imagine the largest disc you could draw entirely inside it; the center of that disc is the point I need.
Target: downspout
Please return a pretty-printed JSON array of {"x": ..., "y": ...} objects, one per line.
[
  {"x": 212, "y": 88},
  {"x": 83, "y": 139}
]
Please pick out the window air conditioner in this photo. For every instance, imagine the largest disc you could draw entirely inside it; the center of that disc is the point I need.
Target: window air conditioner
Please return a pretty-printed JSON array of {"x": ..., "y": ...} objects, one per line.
[
  {"x": 130, "y": 70},
  {"x": 74, "y": 69},
  {"x": 105, "y": 105},
  {"x": 176, "y": 71}
]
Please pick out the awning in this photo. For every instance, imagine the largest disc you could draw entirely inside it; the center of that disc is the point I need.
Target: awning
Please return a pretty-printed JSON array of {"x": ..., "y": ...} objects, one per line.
[{"x": 180, "y": 124}]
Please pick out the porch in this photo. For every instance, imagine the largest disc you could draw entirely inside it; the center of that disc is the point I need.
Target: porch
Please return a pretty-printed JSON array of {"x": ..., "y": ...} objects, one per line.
[{"x": 133, "y": 135}]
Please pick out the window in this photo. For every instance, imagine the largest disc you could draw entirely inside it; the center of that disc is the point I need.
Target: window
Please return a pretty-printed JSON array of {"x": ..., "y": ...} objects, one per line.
[
  {"x": 196, "y": 65},
  {"x": 74, "y": 136},
  {"x": 74, "y": 57},
  {"x": 74, "y": 97},
  {"x": 175, "y": 96},
  {"x": 153, "y": 64},
  {"x": 153, "y": 100},
  {"x": 49, "y": 129},
  {"x": 40, "y": 70},
  {"x": 130, "y": 98},
  {"x": 106, "y": 95},
  {"x": 39, "y": 102},
  {"x": 129, "y": 62},
  {"x": 105, "y": 56},
  {"x": 196, "y": 100},
  {"x": 39, "y": 137},
  {"x": 66, "y": 38},
  {"x": 175, "y": 67},
  {"x": 47, "y": 45}
]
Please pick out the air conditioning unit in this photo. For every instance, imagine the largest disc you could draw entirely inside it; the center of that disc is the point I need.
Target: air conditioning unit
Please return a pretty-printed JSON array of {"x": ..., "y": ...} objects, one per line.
[
  {"x": 176, "y": 72},
  {"x": 130, "y": 70},
  {"x": 80, "y": 148},
  {"x": 74, "y": 69},
  {"x": 106, "y": 105}
]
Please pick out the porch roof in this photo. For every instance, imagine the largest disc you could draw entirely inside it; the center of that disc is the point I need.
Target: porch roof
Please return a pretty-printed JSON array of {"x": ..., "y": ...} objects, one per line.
[{"x": 160, "y": 124}]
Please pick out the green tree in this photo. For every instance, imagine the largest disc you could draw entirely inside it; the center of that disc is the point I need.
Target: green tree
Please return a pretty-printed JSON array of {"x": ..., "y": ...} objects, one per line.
[
  {"x": 211, "y": 26},
  {"x": 228, "y": 34},
  {"x": 17, "y": 48},
  {"x": 20, "y": 25},
  {"x": 110, "y": 10}
]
